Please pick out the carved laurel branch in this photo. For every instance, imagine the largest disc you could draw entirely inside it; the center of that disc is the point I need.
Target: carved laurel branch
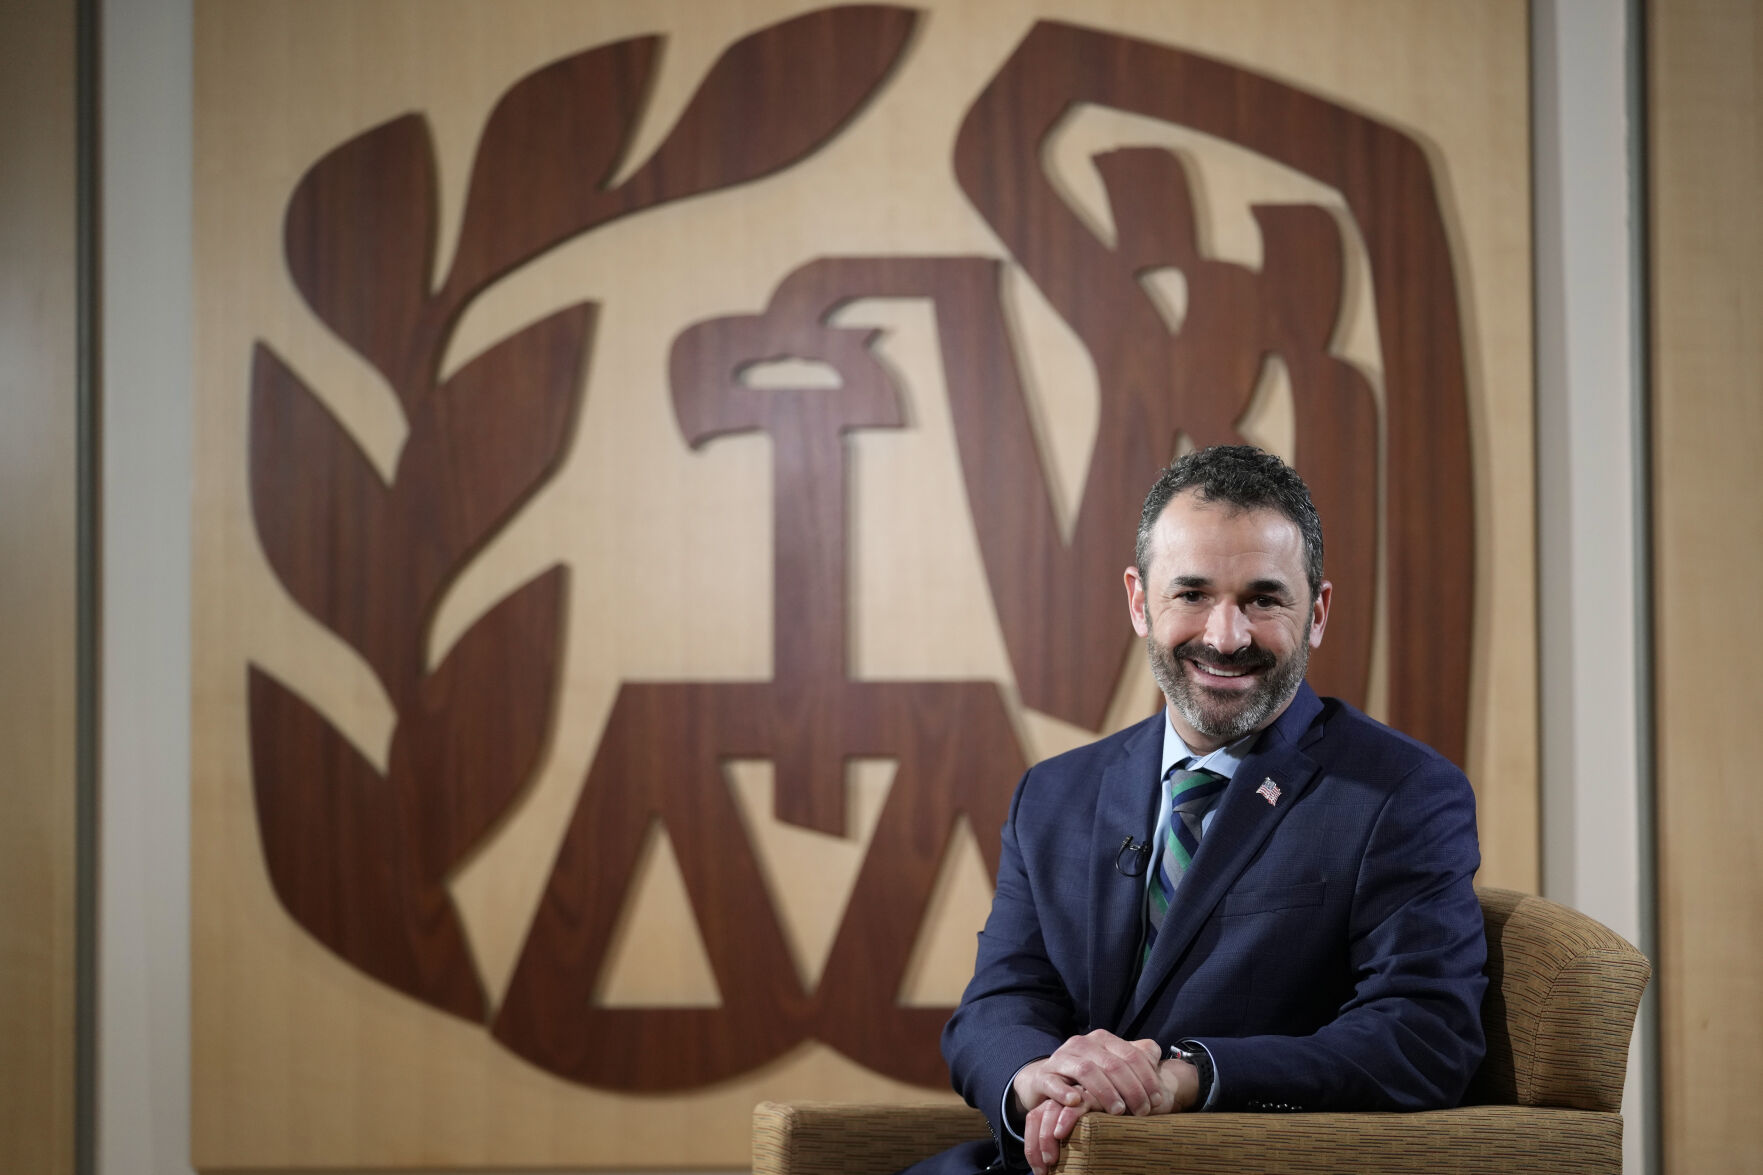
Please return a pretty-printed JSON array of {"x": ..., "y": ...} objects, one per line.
[{"x": 361, "y": 859}]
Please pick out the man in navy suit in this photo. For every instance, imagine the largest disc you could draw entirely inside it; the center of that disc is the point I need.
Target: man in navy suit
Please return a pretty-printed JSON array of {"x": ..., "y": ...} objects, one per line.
[{"x": 1258, "y": 899}]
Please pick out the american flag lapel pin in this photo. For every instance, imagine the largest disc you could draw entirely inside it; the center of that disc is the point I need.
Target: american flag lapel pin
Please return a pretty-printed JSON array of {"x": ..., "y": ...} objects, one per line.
[{"x": 1268, "y": 791}]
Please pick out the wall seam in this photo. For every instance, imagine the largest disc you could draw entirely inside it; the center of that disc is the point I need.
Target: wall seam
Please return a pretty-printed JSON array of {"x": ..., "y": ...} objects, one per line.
[
  {"x": 1640, "y": 400},
  {"x": 88, "y": 316}
]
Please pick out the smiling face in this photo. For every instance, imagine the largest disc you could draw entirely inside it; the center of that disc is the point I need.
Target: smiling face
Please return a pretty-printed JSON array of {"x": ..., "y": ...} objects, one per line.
[{"x": 1227, "y": 617}]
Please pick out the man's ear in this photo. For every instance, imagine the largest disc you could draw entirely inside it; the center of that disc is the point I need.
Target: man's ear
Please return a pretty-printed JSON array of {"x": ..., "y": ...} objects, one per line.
[
  {"x": 1319, "y": 613},
  {"x": 1135, "y": 602}
]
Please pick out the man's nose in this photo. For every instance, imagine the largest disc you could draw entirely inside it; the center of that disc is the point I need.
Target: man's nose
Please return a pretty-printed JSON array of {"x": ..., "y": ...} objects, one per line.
[{"x": 1227, "y": 628}]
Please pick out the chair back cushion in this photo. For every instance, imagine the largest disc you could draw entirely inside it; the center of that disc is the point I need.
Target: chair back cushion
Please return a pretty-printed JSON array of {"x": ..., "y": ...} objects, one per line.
[{"x": 1560, "y": 1007}]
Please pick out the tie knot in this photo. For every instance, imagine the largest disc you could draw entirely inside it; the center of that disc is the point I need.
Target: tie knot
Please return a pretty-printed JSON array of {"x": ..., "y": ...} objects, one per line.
[{"x": 1193, "y": 790}]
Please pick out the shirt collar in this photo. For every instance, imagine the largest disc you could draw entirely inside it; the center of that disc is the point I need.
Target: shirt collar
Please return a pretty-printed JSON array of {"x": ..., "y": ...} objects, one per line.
[{"x": 1224, "y": 761}]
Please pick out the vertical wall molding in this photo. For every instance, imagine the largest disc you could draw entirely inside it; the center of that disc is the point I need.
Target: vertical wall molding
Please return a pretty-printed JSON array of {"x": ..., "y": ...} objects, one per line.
[
  {"x": 144, "y": 899},
  {"x": 1590, "y": 492}
]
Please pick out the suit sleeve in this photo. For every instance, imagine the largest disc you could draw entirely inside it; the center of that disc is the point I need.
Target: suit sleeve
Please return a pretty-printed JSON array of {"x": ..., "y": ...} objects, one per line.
[
  {"x": 1017, "y": 1008},
  {"x": 1410, "y": 1036}
]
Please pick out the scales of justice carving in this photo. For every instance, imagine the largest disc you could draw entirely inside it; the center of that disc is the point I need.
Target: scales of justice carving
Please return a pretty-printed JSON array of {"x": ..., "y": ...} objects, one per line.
[{"x": 360, "y": 858}]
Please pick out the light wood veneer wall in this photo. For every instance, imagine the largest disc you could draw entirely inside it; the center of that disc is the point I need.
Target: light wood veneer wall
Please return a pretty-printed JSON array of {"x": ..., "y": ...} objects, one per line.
[
  {"x": 299, "y": 1061},
  {"x": 1706, "y": 147},
  {"x": 38, "y": 566}
]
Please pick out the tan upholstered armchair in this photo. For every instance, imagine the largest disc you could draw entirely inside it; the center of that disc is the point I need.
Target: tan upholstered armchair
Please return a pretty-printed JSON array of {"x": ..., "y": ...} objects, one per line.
[{"x": 1559, "y": 1012}]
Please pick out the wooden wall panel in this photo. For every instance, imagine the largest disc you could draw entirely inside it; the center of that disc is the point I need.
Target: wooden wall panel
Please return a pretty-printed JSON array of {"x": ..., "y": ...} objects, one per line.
[
  {"x": 38, "y": 565},
  {"x": 748, "y": 445},
  {"x": 1706, "y": 164}
]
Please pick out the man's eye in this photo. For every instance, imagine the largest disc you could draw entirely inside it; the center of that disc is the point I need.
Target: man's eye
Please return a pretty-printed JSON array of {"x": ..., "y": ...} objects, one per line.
[
  {"x": 1266, "y": 601},
  {"x": 1190, "y": 596}
]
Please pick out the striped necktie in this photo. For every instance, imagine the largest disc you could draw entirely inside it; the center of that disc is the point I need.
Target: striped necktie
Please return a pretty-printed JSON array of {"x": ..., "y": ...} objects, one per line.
[{"x": 1191, "y": 794}]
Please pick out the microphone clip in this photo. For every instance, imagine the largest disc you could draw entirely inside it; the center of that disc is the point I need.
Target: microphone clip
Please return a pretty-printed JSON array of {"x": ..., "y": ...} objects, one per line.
[{"x": 1136, "y": 857}]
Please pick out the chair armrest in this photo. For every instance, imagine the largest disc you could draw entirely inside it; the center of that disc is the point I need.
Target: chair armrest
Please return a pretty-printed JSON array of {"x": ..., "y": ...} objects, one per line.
[
  {"x": 1470, "y": 1141},
  {"x": 1560, "y": 1006},
  {"x": 830, "y": 1138}
]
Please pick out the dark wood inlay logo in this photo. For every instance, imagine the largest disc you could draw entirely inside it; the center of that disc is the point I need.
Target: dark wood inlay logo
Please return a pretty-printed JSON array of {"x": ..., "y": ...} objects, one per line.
[{"x": 361, "y": 858}]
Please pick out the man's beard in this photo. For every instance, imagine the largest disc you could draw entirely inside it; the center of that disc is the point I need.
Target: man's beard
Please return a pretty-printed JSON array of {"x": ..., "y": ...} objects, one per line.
[{"x": 1216, "y": 713}]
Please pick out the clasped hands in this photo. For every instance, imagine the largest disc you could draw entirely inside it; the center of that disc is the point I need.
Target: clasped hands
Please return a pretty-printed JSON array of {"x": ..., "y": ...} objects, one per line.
[{"x": 1097, "y": 1071}]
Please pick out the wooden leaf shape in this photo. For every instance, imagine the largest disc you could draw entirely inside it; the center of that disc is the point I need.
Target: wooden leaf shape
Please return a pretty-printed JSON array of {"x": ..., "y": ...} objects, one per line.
[
  {"x": 772, "y": 98},
  {"x": 324, "y": 519},
  {"x": 360, "y": 238},
  {"x": 1384, "y": 177},
  {"x": 545, "y": 154},
  {"x": 468, "y": 749},
  {"x": 484, "y": 442},
  {"x": 339, "y": 858}
]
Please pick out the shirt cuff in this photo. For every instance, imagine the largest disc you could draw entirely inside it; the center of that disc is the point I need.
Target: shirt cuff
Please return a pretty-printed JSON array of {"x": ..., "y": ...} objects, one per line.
[{"x": 1013, "y": 1122}]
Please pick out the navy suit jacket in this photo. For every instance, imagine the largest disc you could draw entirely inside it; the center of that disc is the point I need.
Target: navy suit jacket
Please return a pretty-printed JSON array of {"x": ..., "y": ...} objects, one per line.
[{"x": 1325, "y": 945}]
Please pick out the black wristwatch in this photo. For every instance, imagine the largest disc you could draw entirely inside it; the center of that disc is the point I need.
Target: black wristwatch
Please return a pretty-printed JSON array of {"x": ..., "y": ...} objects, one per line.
[{"x": 1194, "y": 1054}]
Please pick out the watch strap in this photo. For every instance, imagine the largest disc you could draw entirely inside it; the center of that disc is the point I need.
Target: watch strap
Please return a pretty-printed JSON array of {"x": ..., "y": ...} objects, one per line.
[{"x": 1195, "y": 1054}]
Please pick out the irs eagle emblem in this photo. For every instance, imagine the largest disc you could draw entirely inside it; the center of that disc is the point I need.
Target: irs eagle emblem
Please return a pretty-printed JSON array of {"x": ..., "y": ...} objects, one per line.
[{"x": 360, "y": 857}]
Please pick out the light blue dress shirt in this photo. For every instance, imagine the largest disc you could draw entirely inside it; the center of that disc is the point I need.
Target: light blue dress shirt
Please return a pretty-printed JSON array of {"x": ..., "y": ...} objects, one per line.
[{"x": 1224, "y": 761}]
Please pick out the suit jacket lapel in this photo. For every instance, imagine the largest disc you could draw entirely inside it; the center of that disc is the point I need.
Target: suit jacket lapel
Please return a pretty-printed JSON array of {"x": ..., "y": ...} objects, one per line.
[
  {"x": 1244, "y": 821},
  {"x": 1126, "y": 805}
]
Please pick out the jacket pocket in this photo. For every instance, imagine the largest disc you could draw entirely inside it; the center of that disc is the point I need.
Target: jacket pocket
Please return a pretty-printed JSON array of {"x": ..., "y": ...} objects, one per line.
[{"x": 1285, "y": 897}]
